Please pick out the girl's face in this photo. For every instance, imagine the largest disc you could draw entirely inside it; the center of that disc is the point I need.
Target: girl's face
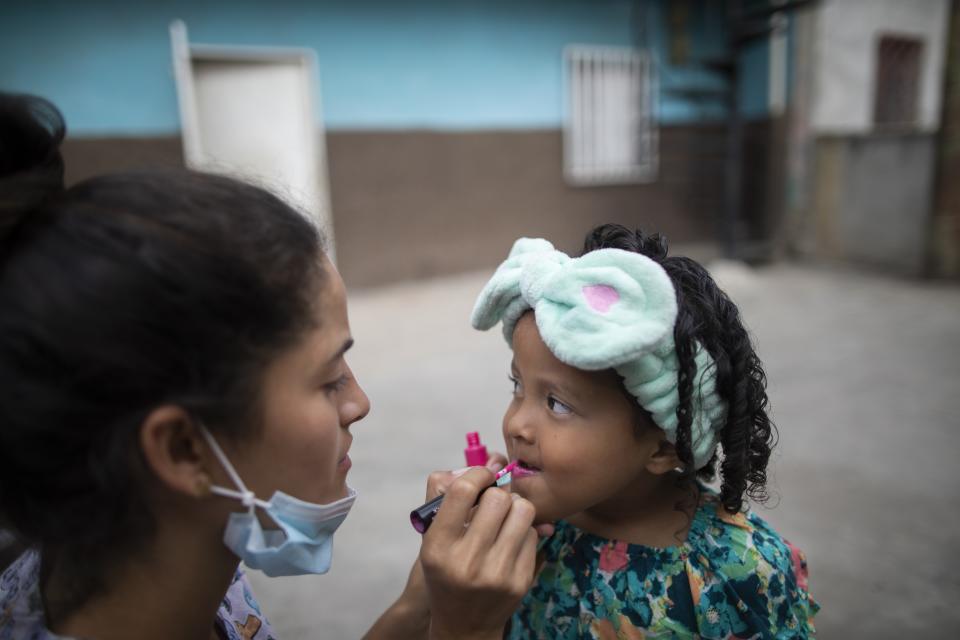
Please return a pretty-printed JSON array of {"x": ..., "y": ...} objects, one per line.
[
  {"x": 310, "y": 400},
  {"x": 586, "y": 439}
]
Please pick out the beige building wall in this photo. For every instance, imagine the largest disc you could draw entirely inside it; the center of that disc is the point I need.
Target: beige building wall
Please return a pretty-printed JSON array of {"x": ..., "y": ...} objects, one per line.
[
  {"x": 844, "y": 59},
  {"x": 867, "y": 190}
]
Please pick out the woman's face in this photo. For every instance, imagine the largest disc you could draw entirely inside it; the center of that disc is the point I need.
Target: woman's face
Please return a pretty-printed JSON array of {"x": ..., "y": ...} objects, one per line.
[
  {"x": 310, "y": 399},
  {"x": 578, "y": 429}
]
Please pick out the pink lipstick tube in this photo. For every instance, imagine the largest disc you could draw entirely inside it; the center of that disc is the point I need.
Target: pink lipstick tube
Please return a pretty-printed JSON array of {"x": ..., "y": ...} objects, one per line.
[{"x": 422, "y": 517}]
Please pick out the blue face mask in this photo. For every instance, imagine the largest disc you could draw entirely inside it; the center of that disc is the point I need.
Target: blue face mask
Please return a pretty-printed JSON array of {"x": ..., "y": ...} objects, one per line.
[{"x": 304, "y": 541}]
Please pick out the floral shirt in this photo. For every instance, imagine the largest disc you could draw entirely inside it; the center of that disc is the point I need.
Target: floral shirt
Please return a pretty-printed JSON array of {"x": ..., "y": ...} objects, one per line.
[
  {"x": 733, "y": 578},
  {"x": 22, "y": 616}
]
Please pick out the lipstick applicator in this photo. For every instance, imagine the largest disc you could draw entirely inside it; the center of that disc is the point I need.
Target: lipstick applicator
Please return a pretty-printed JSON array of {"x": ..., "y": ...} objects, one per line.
[{"x": 422, "y": 517}]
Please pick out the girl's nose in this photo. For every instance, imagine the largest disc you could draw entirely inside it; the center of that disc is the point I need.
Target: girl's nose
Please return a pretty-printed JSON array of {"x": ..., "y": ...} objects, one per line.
[{"x": 520, "y": 424}]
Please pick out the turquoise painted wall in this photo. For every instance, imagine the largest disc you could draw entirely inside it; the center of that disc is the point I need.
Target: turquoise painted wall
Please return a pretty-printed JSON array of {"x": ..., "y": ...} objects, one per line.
[
  {"x": 708, "y": 39},
  {"x": 754, "y": 79},
  {"x": 438, "y": 64}
]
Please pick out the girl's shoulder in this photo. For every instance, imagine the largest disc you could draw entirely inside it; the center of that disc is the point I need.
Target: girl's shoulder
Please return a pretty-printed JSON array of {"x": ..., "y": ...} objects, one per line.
[
  {"x": 740, "y": 568},
  {"x": 734, "y": 576},
  {"x": 737, "y": 538}
]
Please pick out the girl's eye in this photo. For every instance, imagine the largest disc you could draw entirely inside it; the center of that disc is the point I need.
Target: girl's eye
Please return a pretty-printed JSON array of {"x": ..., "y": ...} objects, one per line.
[
  {"x": 516, "y": 384},
  {"x": 558, "y": 407}
]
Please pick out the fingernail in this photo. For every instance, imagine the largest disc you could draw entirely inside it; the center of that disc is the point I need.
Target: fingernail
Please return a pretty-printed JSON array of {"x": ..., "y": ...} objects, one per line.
[
  {"x": 459, "y": 472},
  {"x": 494, "y": 466}
]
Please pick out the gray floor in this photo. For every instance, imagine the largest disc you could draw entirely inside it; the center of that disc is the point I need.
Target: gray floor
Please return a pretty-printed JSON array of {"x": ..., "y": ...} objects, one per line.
[{"x": 865, "y": 384}]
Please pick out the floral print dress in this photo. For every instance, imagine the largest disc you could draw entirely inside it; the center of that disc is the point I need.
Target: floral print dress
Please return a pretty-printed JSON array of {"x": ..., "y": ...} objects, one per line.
[{"x": 733, "y": 578}]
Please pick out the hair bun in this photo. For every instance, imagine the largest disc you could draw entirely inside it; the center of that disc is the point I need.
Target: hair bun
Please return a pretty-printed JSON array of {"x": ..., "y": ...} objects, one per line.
[
  {"x": 31, "y": 167},
  {"x": 617, "y": 236},
  {"x": 653, "y": 246}
]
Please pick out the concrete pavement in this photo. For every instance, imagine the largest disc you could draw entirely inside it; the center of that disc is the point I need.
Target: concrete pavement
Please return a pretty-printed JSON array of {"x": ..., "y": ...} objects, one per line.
[{"x": 865, "y": 384}]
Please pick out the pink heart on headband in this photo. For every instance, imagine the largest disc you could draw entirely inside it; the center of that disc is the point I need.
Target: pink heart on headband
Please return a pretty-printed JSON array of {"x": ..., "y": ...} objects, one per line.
[{"x": 600, "y": 297}]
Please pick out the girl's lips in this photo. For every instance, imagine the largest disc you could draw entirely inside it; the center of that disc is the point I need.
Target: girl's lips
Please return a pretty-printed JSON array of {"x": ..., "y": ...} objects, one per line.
[
  {"x": 524, "y": 470},
  {"x": 345, "y": 463}
]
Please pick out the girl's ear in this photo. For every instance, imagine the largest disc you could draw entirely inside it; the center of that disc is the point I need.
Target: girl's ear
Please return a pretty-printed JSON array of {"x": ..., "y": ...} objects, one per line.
[
  {"x": 664, "y": 459},
  {"x": 174, "y": 450}
]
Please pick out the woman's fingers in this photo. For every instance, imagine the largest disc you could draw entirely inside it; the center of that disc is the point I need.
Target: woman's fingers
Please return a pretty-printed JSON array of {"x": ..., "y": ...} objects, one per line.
[
  {"x": 488, "y": 519},
  {"x": 476, "y": 575},
  {"x": 518, "y": 522},
  {"x": 438, "y": 481},
  {"x": 496, "y": 461},
  {"x": 459, "y": 498},
  {"x": 526, "y": 563}
]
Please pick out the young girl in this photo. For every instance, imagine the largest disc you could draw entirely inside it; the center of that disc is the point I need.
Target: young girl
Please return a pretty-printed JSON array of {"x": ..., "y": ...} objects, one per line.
[{"x": 634, "y": 380}]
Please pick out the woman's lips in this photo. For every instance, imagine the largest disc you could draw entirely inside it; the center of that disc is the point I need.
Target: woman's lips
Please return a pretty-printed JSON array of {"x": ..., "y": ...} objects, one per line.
[{"x": 345, "y": 463}]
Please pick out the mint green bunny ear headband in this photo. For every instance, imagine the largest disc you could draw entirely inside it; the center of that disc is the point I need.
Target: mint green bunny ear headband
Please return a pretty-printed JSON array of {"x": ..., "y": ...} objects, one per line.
[{"x": 607, "y": 309}]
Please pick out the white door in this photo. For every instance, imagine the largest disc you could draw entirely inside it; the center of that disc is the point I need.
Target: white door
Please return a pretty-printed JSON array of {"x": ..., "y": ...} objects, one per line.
[{"x": 253, "y": 113}]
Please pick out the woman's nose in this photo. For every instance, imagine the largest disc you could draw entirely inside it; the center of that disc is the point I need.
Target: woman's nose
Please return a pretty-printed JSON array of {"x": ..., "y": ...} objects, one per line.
[{"x": 355, "y": 405}]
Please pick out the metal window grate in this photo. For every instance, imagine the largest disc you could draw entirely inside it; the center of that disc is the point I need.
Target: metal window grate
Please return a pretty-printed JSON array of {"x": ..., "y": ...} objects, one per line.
[
  {"x": 610, "y": 132},
  {"x": 898, "y": 81}
]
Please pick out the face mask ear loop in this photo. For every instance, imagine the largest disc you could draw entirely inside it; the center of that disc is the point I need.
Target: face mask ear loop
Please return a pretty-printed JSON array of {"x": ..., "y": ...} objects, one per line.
[{"x": 244, "y": 495}]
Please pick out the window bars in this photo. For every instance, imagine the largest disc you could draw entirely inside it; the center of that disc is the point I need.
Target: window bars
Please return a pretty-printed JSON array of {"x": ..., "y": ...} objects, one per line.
[
  {"x": 897, "y": 81},
  {"x": 610, "y": 128}
]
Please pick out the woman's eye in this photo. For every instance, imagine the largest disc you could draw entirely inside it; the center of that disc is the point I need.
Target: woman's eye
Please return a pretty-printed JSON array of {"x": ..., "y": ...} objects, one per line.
[
  {"x": 337, "y": 384},
  {"x": 516, "y": 384},
  {"x": 558, "y": 407}
]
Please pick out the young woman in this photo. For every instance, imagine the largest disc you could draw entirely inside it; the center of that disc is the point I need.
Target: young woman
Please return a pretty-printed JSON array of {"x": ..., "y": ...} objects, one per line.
[{"x": 176, "y": 397}]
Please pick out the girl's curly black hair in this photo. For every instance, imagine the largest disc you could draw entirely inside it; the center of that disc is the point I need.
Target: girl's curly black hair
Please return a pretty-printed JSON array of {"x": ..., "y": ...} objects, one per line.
[{"x": 706, "y": 315}]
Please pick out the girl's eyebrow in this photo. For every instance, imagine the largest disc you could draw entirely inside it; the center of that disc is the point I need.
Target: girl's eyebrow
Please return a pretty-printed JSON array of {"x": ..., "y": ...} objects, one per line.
[
  {"x": 551, "y": 384},
  {"x": 565, "y": 390}
]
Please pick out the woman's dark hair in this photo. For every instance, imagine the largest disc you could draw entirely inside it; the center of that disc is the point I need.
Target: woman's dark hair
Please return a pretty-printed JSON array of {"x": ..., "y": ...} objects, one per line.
[
  {"x": 118, "y": 295},
  {"x": 707, "y": 316}
]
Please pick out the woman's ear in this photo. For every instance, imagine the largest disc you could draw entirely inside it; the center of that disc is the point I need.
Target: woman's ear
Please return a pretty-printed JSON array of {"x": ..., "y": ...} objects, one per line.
[
  {"x": 175, "y": 450},
  {"x": 664, "y": 459}
]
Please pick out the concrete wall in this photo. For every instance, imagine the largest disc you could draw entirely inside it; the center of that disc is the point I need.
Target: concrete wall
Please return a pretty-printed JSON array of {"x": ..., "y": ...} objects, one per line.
[
  {"x": 858, "y": 192},
  {"x": 411, "y": 204},
  {"x": 873, "y": 201},
  {"x": 945, "y": 230},
  {"x": 844, "y": 57}
]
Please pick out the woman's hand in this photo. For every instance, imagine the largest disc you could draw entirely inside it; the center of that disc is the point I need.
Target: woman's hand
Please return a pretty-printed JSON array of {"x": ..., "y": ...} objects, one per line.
[
  {"x": 477, "y": 562},
  {"x": 415, "y": 597},
  {"x": 410, "y": 616}
]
